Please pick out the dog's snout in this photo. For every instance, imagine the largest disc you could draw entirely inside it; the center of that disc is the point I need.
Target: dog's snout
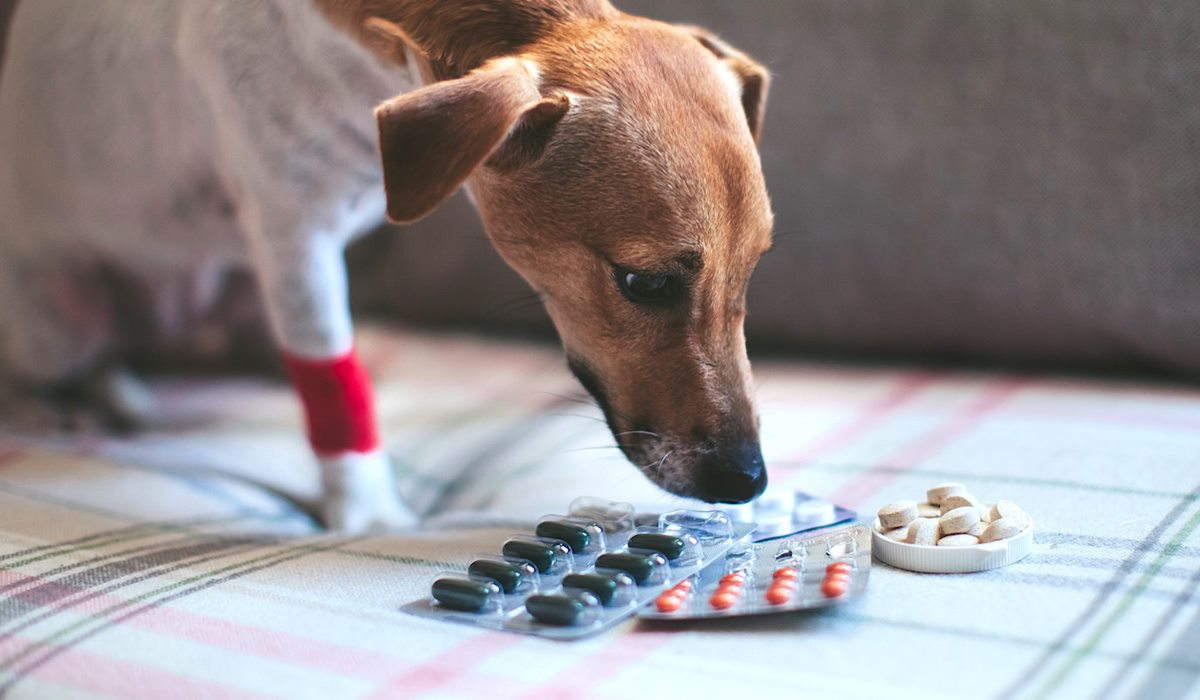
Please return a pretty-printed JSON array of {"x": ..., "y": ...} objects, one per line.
[{"x": 735, "y": 475}]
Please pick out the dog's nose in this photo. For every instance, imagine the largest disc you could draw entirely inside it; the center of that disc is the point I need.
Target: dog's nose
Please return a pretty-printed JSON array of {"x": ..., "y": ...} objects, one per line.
[{"x": 736, "y": 475}]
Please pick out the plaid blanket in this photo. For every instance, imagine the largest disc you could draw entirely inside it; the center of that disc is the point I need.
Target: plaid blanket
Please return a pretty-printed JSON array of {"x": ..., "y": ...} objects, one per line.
[{"x": 183, "y": 562}]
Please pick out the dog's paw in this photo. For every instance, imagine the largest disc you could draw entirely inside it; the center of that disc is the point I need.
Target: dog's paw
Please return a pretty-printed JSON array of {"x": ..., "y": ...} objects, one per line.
[
  {"x": 108, "y": 400},
  {"x": 360, "y": 494}
]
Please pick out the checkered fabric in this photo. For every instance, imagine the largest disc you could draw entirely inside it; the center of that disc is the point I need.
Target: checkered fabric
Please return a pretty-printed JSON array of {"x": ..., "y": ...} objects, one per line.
[{"x": 182, "y": 562}]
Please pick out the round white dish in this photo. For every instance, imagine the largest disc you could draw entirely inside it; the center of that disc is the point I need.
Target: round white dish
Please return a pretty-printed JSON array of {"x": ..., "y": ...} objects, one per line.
[{"x": 951, "y": 560}]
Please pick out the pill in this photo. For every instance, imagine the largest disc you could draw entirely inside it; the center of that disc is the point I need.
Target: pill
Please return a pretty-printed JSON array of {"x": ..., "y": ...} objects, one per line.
[
  {"x": 723, "y": 601},
  {"x": 669, "y": 546},
  {"x": 1010, "y": 511},
  {"x": 788, "y": 583},
  {"x": 832, "y": 588},
  {"x": 684, "y": 585},
  {"x": 1000, "y": 529},
  {"x": 960, "y": 540},
  {"x": 977, "y": 529},
  {"x": 928, "y": 510},
  {"x": 898, "y": 534},
  {"x": 668, "y": 603},
  {"x": 842, "y": 566},
  {"x": 732, "y": 578},
  {"x": 638, "y": 565},
  {"x": 735, "y": 586},
  {"x": 576, "y": 536},
  {"x": 778, "y": 596},
  {"x": 786, "y": 573},
  {"x": 601, "y": 586},
  {"x": 464, "y": 595},
  {"x": 958, "y": 520},
  {"x": 897, "y": 514},
  {"x": 961, "y": 500},
  {"x": 838, "y": 576},
  {"x": 507, "y": 575},
  {"x": 542, "y": 556},
  {"x": 923, "y": 531},
  {"x": 559, "y": 610},
  {"x": 935, "y": 495}
]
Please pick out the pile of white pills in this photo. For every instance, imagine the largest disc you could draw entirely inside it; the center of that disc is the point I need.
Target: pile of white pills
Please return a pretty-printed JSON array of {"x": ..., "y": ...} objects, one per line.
[{"x": 951, "y": 517}]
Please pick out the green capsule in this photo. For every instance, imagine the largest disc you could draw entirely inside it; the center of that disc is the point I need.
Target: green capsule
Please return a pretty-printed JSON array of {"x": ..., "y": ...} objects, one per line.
[
  {"x": 557, "y": 610},
  {"x": 604, "y": 587},
  {"x": 576, "y": 536},
  {"x": 639, "y": 566},
  {"x": 459, "y": 594},
  {"x": 669, "y": 546},
  {"x": 542, "y": 556},
  {"x": 503, "y": 573}
]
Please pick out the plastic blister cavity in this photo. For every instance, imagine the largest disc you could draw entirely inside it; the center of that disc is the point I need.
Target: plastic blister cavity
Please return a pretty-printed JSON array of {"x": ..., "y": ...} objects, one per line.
[
  {"x": 516, "y": 577},
  {"x": 680, "y": 547},
  {"x": 613, "y": 589},
  {"x": 571, "y": 608},
  {"x": 646, "y": 567},
  {"x": 552, "y": 558},
  {"x": 584, "y": 536},
  {"x": 710, "y": 527},
  {"x": 841, "y": 546},
  {"x": 455, "y": 592},
  {"x": 616, "y": 517}
]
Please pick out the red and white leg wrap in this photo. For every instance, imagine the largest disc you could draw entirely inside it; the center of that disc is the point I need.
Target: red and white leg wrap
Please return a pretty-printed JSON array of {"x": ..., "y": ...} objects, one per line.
[
  {"x": 339, "y": 408},
  {"x": 359, "y": 488}
]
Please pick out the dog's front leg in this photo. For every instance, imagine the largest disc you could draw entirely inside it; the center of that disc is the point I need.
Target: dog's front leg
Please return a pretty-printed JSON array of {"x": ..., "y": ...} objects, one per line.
[{"x": 304, "y": 286}]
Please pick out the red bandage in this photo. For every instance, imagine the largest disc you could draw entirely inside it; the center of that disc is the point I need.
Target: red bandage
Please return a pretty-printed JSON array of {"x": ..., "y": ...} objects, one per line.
[{"x": 339, "y": 408}]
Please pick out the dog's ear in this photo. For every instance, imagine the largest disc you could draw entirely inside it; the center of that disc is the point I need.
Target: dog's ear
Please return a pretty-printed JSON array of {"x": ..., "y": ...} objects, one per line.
[
  {"x": 754, "y": 78},
  {"x": 432, "y": 139}
]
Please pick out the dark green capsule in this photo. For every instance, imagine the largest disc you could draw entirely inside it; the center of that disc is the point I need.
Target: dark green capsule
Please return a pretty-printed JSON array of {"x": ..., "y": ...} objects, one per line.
[
  {"x": 604, "y": 587},
  {"x": 458, "y": 594},
  {"x": 639, "y": 566},
  {"x": 542, "y": 556},
  {"x": 503, "y": 573},
  {"x": 669, "y": 546},
  {"x": 556, "y": 610},
  {"x": 576, "y": 536}
]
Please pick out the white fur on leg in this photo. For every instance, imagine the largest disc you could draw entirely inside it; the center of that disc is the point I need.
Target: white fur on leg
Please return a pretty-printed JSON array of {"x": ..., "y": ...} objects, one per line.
[{"x": 360, "y": 494}]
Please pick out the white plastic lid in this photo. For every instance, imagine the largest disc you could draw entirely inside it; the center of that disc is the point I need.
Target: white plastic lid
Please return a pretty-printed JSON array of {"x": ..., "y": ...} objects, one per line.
[{"x": 931, "y": 559}]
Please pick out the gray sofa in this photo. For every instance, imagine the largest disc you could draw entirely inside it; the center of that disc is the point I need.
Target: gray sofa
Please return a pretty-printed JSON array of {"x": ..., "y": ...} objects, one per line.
[{"x": 1013, "y": 181}]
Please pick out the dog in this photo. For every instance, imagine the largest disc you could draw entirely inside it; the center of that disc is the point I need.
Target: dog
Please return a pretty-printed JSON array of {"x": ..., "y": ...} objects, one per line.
[{"x": 613, "y": 160}]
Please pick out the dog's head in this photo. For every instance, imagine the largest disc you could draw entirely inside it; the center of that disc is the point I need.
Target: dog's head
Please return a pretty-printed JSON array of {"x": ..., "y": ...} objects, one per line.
[{"x": 614, "y": 164}]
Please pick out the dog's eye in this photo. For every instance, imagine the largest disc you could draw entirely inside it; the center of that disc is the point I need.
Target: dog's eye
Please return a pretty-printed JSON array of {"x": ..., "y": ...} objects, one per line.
[{"x": 647, "y": 289}]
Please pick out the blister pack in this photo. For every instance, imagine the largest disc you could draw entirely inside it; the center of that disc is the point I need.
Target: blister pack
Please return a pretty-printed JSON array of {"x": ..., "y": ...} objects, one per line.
[
  {"x": 582, "y": 572},
  {"x": 794, "y": 573},
  {"x": 783, "y": 512}
]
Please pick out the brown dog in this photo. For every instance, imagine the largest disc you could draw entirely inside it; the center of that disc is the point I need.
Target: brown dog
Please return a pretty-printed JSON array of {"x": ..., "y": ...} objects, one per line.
[{"x": 612, "y": 158}]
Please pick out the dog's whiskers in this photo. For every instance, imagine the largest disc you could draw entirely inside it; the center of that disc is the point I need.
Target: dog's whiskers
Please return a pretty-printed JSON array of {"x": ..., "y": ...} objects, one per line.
[
  {"x": 654, "y": 435},
  {"x": 658, "y": 465}
]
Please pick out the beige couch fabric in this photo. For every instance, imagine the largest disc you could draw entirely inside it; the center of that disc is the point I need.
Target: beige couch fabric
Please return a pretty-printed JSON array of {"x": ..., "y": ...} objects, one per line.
[{"x": 181, "y": 563}]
